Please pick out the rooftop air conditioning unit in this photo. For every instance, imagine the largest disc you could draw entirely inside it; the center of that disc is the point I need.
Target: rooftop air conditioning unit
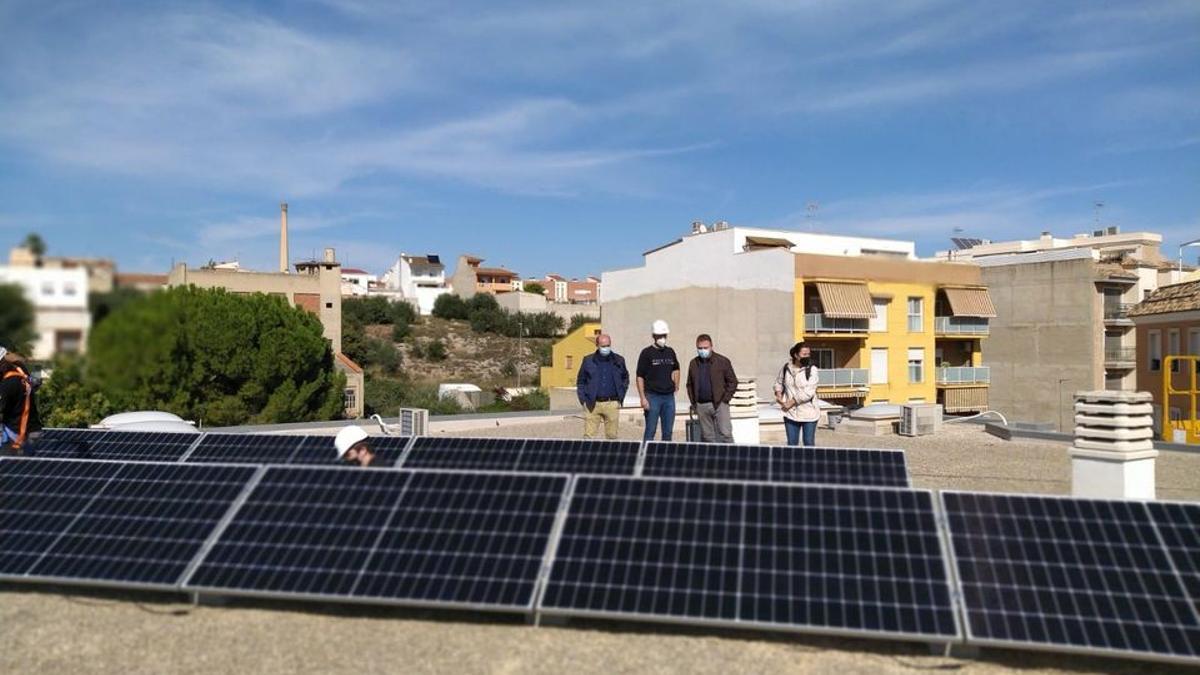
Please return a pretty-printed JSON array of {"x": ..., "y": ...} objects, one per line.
[
  {"x": 1097, "y": 233},
  {"x": 920, "y": 419},
  {"x": 414, "y": 422},
  {"x": 1113, "y": 229}
]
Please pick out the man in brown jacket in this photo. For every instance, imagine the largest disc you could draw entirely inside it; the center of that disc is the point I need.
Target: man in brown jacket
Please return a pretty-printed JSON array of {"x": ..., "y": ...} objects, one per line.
[{"x": 711, "y": 384}]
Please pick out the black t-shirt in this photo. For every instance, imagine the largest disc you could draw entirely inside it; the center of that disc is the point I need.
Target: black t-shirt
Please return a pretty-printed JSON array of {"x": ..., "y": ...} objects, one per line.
[
  {"x": 12, "y": 404},
  {"x": 655, "y": 366}
]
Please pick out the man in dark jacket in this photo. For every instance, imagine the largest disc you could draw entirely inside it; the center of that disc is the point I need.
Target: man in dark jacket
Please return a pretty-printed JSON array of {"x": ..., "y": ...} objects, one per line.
[
  {"x": 711, "y": 384},
  {"x": 601, "y": 386}
]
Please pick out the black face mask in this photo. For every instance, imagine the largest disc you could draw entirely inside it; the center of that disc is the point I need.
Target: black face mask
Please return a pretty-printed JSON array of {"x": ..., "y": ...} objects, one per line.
[{"x": 804, "y": 360}]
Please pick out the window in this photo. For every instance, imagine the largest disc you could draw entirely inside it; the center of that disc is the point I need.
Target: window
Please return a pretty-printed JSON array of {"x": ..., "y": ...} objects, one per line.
[
  {"x": 570, "y": 361},
  {"x": 329, "y": 305},
  {"x": 916, "y": 315},
  {"x": 879, "y": 322},
  {"x": 68, "y": 341},
  {"x": 69, "y": 288},
  {"x": 1154, "y": 350},
  {"x": 916, "y": 365},
  {"x": 1173, "y": 347},
  {"x": 822, "y": 358},
  {"x": 879, "y": 366},
  {"x": 47, "y": 288},
  {"x": 1194, "y": 339},
  {"x": 349, "y": 399}
]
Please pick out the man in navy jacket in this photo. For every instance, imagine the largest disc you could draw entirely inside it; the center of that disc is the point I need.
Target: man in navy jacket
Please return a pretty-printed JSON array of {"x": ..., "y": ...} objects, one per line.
[{"x": 601, "y": 385}]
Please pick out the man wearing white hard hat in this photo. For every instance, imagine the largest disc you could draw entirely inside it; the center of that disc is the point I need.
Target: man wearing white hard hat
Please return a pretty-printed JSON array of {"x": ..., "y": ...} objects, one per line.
[
  {"x": 657, "y": 382},
  {"x": 353, "y": 446}
]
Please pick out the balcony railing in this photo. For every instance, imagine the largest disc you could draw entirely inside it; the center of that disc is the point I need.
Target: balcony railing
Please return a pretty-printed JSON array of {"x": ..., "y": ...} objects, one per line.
[
  {"x": 819, "y": 323},
  {"x": 960, "y": 325},
  {"x": 1120, "y": 354},
  {"x": 844, "y": 377},
  {"x": 1117, "y": 312},
  {"x": 964, "y": 375}
]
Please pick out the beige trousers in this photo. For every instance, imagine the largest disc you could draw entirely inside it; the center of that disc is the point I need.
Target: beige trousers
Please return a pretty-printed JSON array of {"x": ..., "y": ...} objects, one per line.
[{"x": 608, "y": 412}]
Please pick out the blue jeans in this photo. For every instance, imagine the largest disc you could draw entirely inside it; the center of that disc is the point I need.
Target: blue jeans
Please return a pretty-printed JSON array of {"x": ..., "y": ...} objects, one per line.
[
  {"x": 662, "y": 407},
  {"x": 793, "y": 429}
]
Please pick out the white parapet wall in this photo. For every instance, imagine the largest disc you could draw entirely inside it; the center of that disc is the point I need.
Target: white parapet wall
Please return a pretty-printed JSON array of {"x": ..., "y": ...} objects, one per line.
[{"x": 1113, "y": 454}]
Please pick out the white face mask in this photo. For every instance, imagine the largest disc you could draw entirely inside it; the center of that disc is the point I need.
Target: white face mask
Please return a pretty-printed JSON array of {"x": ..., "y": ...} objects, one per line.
[
  {"x": 661, "y": 342},
  {"x": 605, "y": 351}
]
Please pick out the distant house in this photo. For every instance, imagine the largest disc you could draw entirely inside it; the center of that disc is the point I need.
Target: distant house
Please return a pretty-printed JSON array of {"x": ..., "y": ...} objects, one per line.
[
  {"x": 141, "y": 282},
  {"x": 470, "y": 278},
  {"x": 60, "y": 303},
  {"x": 561, "y": 290},
  {"x": 1168, "y": 324},
  {"x": 356, "y": 281},
  {"x": 419, "y": 279}
]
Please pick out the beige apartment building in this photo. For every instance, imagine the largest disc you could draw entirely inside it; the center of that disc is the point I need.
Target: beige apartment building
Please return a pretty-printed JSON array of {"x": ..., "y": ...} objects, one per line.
[
  {"x": 315, "y": 287},
  {"x": 470, "y": 278}
]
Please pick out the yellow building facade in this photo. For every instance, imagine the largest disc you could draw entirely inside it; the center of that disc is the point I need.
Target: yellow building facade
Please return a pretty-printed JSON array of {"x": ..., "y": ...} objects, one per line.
[
  {"x": 894, "y": 331},
  {"x": 567, "y": 354}
]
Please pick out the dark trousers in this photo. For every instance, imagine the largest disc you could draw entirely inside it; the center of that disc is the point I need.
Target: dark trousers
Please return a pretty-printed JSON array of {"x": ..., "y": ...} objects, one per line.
[
  {"x": 662, "y": 407},
  {"x": 794, "y": 429}
]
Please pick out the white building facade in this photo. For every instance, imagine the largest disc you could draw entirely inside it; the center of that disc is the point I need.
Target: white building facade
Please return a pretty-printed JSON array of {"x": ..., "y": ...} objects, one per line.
[
  {"x": 419, "y": 279},
  {"x": 60, "y": 302}
]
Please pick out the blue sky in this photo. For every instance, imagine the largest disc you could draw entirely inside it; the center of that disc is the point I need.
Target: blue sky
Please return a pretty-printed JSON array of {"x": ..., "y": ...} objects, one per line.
[{"x": 571, "y": 137}]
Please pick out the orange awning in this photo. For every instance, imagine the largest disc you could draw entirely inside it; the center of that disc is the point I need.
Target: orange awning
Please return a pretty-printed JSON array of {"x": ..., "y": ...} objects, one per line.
[
  {"x": 970, "y": 302},
  {"x": 843, "y": 300}
]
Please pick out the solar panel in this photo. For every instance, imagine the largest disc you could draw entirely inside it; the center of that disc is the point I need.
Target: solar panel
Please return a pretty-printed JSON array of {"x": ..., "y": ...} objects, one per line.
[
  {"x": 111, "y": 523},
  {"x": 1068, "y": 574},
  {"x": 839, "y": 466},
  {"x": 144, "y": 446},
  {"x": 708, "y": 460},
  {"x": 484, "y": 454},
  {"x": 246, "y": 448},
  {"x": 579, "y": 456},
  {"x": 399, "y": 537},
  {"x": 779, "y": 463},
  {"x": 1179, "y": 525},
  {"x": 830, "y": 559},
  {"x": 320, "y": 450}
]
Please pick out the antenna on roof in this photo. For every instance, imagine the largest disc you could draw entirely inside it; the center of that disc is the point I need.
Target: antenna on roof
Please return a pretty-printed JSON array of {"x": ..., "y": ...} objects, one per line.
[
  {"x": 810, "y": 213},
  {"x": 1096, "y": 213}
]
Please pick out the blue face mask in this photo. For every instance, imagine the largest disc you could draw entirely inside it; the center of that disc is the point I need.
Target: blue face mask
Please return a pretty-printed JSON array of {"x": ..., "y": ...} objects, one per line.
[
  {"x": 605, "y": 351},
  {"x": 704, "y": 353}
]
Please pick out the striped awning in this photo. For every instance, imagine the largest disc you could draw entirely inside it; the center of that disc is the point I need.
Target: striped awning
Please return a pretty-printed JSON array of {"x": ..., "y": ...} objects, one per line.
[
  {"x": 970, "y": 302},
  {"x": 845, "y": 300}
]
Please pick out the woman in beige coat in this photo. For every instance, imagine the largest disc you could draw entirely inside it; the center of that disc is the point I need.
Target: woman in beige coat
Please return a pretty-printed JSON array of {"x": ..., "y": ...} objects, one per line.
[{"x": 796, "y": 393}]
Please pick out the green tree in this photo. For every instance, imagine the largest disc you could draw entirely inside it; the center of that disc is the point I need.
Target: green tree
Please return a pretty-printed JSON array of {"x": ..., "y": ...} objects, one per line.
[
  {"x": 369, "y": 311},
  {"x": 103, "y": 304},
  {"x": 578, "y": 320},
  {"x": 218, "y": 357},
  {"x": 450, "y": 306},
  {"x": 534, "y": 287},
  {"x": 68, "y": 400},
  {"x": 35, "y": 244},
  {"x": 436, "y": 351},
  {"x": 16, "y": 319},
  {"x": 386, "y": 395}
]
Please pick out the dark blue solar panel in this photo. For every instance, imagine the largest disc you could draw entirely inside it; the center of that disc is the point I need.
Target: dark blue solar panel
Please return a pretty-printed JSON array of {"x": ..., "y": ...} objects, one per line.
[
  {"x": 1179, "y": 525},
  {"x": 246, "y": 448},
  {"x": 408, "y": 537},
  {"x": 839, "y": 466},
  {"x": 482, "y": 454},
  {"x": 579, "y": 456},
  {"x": 146, "y": 446},
  {"x": 320, "y": 450},
  {"x": 708, "y": 460},
  {"x": 132, "y": 523},
  {"x": 1070, "y": 574},
  {"x": 861, "y": 561}
]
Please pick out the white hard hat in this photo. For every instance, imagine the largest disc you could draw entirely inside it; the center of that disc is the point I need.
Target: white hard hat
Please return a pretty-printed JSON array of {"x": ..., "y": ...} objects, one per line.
[
  {"x": 347, "y": 438},
  {"x": 660, "y": 327}
]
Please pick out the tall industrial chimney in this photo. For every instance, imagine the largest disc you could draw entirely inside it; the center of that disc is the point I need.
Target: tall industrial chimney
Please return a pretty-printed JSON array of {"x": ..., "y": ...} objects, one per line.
[{"x": 283, "y": 244}]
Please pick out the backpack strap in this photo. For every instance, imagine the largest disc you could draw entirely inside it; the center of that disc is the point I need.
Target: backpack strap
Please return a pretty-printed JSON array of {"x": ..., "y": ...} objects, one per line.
[{"x": 24, "y": 426}]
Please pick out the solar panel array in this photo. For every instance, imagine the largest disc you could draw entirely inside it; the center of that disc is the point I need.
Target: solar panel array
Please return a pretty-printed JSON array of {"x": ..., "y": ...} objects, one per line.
[
  {"x": 777, "y": 463},
  {"x": 861, "y": 561},
  {"x": 524, "y": 454},
  {"x": 446, "y": 538},
  {"x": 108, "y": 522},
  {"x": 285, "y": 449},
  {"x": 1069, "y": 574},
  {"x": 145, "y": 446}
]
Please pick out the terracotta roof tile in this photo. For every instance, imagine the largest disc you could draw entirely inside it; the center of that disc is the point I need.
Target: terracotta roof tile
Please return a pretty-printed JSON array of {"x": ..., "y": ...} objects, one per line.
[{"x": 1183, "y": 297}]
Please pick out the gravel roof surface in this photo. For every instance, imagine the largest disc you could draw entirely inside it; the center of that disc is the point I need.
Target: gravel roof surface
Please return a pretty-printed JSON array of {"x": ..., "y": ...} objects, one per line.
[{"x": 56, "y": 630}]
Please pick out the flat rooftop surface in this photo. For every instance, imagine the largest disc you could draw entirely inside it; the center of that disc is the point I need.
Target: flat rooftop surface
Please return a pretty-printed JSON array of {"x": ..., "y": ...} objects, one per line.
[{"x": 55, "y": 630}]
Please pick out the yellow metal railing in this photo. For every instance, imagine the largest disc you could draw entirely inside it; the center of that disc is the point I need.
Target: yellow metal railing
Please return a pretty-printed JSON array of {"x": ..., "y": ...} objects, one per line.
[{"x": 1190, "y": 426}]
